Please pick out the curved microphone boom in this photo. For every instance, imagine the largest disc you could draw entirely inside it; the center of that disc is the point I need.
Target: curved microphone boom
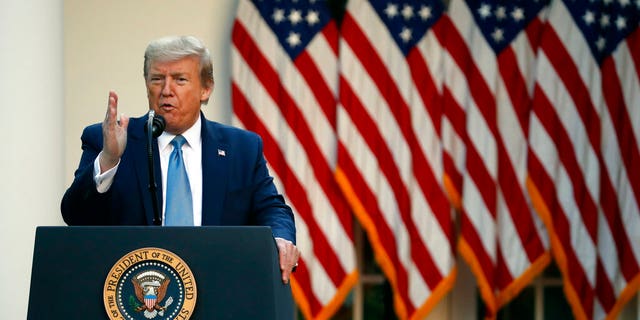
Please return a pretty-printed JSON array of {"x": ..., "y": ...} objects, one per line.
[{"x": 154, "y": 127}]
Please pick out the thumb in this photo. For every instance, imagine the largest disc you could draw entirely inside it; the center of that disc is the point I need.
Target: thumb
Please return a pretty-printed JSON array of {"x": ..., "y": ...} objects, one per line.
[{"x": 123, "y": 121}]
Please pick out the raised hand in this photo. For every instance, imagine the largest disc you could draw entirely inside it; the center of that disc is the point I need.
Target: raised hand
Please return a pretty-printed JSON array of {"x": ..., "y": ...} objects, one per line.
[{"x": 114, "y": 135}]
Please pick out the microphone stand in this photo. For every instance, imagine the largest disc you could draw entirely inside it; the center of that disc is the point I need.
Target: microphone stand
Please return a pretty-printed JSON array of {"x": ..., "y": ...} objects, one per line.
[{"x": 157, "y": 217}]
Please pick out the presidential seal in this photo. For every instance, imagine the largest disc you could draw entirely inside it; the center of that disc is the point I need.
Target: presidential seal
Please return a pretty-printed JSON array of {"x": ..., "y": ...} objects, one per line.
[{"x": 150, "y": 283}]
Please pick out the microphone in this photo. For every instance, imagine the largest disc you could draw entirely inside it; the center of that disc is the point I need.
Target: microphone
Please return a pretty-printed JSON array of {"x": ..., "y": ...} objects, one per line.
[
  {"x": 157, "y": 124},
  {"x": 154, "y": 127}
]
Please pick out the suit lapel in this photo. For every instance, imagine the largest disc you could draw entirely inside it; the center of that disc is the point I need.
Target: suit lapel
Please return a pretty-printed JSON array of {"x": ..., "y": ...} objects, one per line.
[{"x": 214, "y": 173}]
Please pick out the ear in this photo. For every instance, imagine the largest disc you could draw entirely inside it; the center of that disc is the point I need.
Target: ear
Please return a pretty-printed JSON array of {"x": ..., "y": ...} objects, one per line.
[{"x": 205, "y": 93}]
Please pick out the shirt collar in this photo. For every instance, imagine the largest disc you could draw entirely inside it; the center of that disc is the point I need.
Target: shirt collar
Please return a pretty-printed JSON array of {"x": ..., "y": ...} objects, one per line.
[{"x": 192, "y": 135}]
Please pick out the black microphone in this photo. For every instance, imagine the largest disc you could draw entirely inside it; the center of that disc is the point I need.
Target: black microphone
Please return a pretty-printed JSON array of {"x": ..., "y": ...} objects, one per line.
[
  {"x": 157, "y": 124},
  {"x": 154, "y": 127}
]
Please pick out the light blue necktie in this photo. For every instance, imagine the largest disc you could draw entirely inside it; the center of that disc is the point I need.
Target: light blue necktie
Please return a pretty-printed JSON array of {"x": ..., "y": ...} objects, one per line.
[{"x": 179, "y": 209}]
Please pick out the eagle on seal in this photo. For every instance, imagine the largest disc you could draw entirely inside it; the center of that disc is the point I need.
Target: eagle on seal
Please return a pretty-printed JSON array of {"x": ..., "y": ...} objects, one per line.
[{"x": 150, "y": 294}]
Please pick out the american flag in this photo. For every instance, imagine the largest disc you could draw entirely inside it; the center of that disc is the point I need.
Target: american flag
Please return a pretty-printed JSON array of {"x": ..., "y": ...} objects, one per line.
[
  {"x": 389, "y": 151},
  {"x": 487, "y": 88},
  {"x": 584, "y": 152},
  {"x": 284, "y": 87}
]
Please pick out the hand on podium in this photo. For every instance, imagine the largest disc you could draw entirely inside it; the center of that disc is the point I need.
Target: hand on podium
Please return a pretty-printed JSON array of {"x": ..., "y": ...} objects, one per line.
[{"x": 289, "y": 255}]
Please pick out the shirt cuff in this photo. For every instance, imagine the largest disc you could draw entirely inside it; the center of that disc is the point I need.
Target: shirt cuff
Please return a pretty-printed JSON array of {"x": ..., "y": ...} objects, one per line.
[{"x": 103, "y": 180}]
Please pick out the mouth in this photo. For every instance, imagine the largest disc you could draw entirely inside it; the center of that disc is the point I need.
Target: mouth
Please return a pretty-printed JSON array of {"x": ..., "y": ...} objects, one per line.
[{"x": 166, "y": 106}]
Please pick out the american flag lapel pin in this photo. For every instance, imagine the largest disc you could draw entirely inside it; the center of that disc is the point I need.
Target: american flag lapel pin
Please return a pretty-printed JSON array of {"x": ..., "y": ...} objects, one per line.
[{"x": 221, "y": 153}]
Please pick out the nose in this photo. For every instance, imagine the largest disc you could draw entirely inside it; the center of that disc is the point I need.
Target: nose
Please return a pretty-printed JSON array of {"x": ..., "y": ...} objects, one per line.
[{"x": 166, "y": 88}]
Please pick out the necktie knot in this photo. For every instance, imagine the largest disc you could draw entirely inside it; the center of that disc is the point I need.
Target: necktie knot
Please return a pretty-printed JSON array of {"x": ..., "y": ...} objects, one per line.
[{"x": 178, "y": 141}]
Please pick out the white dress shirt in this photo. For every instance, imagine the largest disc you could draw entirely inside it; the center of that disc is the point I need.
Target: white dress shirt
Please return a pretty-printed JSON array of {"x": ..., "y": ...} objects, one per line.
[{"x": 192, "y": 156}]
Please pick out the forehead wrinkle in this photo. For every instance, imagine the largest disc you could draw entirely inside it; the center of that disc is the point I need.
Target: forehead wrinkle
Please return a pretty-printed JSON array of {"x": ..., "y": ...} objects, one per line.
[
  {"x": 170, "y": 69},
  {"x": 173, "y": 74}
]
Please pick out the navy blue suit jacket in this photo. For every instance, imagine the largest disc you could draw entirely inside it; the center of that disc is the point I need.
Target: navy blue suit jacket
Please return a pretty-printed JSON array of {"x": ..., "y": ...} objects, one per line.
[{"x": 236, "y": 186}]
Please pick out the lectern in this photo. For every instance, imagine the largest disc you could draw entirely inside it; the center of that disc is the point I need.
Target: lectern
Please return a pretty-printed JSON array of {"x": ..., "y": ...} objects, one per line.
[{"x": 234, "y": 272}]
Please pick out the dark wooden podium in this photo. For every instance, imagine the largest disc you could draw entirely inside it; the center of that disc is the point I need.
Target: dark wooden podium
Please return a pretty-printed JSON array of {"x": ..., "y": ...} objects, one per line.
[{"x": 235, "y": 268}]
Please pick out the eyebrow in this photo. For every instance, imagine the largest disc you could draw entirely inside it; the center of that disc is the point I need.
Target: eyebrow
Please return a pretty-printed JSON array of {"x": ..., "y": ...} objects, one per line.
[{"x": 179, "y": 74}]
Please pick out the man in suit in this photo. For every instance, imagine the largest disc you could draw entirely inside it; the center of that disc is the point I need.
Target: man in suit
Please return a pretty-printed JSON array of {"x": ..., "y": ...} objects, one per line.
[{"x": 228, "y": 180}]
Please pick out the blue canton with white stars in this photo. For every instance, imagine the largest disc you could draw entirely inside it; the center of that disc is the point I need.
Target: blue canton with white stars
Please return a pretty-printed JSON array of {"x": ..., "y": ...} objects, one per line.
[
  {"x": 295, "y": 22},
  {"x": 408, "y": 20},
  {"x": 604, "y": 23},
  {"x": 501, "y": 21}
]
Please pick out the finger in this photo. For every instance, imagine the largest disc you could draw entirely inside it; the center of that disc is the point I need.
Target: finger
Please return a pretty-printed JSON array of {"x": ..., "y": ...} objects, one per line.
[
  {"x": 113, "y": 99},
  {"x": 286, "y": 273},
  {"x": 112, "y": 108},
  {"x": 285, "y": 269},
  {"x": 283, "y": 259}
]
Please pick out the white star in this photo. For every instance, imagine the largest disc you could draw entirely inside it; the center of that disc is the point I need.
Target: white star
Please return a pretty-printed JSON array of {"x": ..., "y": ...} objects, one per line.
[
  {"x": 278, "y": 15},
  {"x": 621, "y": 23},
  {"x": 485, "y": 10},
  {"x": 604, "y": 21},
  {"x": 313, "y": 17},
  {"x": 589, "y": 17},
  {"x": 407, "y": 12},
  {"x": 425, "y": 13},
  {"x": 501, "y": 13},
  {"x": 607, "y": 2},
  {"x": 293, "y": 39},
  {"x": 498, "y": 35},
  {"x": 601, "y": 43},
  {"x": 405, "y": 35},
  {"x": 517, "y": 14},
  {"x": 295, "y": 16},
  {"x": 392, "y": 10},
  {"x": 624, "y": 3}
]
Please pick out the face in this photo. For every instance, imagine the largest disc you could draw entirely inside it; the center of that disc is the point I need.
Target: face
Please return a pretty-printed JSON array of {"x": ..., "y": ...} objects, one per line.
[{"x": 175, "y": 91}]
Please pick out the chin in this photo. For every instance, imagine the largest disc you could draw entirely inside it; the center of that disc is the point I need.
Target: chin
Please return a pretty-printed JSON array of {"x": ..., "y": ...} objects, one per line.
[{"x": 170, "y": 130}]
